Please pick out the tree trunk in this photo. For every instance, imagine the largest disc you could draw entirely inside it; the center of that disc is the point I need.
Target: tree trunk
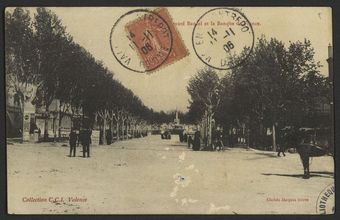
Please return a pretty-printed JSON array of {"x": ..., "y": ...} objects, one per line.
[
  {"x": 23, "y": 120},
  {"x": 61, "y": 116},
  {"x": 110, "y": 131},
  {"x": 117, "y": 130},
  {"x": 54, "y": 130},
  {"x": 248, "y": 138},
  {"x": 123, "y": 130},
  {"x": 104, "y": 131},
  {"x": 274, "y": 137},
  {"x": 59, "y": 124},
  {"x": 59, "y": 121},
  {"x": 112, "y": 126},
  {"x": 46, "y": 123},
  {"x": 210, "y": 130},
  {"x": 133, "y": 130},
  {"x": 205, "y": 126},
  {"x": 127, "y": 130},
  {"x": 137, "y": 131},
  {"x": 101, "y": 136}
]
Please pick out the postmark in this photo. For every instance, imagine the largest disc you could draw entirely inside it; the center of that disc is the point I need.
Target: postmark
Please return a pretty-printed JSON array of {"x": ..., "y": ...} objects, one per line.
[
  {"x": 141, "y": 40},
  {"x": 325, "y": 204},
  {"x": 223, "y": 38}
]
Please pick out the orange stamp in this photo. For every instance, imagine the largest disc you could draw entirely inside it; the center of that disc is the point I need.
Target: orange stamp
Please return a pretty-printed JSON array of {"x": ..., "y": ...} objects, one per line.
[{"x": 149, "y": 40}]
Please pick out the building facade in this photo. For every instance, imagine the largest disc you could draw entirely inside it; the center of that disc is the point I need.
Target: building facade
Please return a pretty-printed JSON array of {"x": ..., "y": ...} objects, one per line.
[{"x": 28, "y": 121}]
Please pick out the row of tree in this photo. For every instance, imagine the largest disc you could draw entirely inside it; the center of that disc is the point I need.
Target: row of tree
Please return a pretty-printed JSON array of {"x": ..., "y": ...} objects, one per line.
[
  {"x": 277, "y": 86},
  {"x": 41, "y": 53}
]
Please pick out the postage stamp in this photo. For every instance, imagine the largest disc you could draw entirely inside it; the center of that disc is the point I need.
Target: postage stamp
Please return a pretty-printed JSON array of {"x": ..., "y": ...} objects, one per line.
[
  {"x": 147, "y": 43},
  {"x": 223, "y": 38}
]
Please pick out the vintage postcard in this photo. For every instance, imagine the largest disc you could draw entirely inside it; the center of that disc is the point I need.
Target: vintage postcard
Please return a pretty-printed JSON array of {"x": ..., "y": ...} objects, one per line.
[{"x": 169, "y": 110}]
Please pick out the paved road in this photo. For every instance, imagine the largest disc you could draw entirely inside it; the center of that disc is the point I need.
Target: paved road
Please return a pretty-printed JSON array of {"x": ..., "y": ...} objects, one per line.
[{"x": 150, "y": 175}]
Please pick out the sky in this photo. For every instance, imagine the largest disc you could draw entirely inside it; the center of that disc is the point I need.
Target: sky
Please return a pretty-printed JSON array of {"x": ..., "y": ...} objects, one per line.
[{"x": 165, "y": 88}]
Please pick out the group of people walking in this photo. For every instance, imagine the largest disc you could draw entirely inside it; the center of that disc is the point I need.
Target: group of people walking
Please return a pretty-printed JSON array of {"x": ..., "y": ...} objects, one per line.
[
  {"x": 193, "y": 141},
  {"x": 82, "y": 137}
]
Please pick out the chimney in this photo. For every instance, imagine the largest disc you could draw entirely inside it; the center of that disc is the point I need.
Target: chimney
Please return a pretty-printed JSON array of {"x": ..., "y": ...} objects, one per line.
[{"x": 330, "y": 51}]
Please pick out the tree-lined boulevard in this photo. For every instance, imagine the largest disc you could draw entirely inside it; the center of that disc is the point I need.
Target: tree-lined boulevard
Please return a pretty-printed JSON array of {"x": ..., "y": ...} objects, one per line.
[
  {"x": 278, "y": 87},
  {"x": 41, "y": 54},
  {"x": 154, "y": 162}
]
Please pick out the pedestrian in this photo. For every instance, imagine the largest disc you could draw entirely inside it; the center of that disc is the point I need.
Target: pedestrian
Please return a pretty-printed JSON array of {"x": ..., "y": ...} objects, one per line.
[
  {"x": 185, "y": 136},
  {"x": 190, "y": 141},
  {"x": 219, "y": 139},
  {"x": 86, "y": 141},
  {"x": 281, "y": 149},
  {"x": 73, "y": 142},
  {"x": 282, "y": 136},
  {"x": 180, "y": 136},
  {"x": 101, "y": 138},
  {"x": 109, "y": 136},
  {"x": 197, "y": 141},
  {"x": 39, "y": 133},
  {"x": 82, "y": 140}
]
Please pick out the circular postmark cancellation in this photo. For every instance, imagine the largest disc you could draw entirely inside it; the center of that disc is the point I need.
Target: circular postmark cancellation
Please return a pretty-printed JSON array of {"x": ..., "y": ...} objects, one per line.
[
  {"x": 325, "y": 204},
  {"x": 141, "y": 40},
  {"x": 223, "y": 38}
]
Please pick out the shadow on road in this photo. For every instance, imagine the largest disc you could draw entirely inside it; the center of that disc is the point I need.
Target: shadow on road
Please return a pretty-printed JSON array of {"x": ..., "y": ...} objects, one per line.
[
  {"x": 263, "y": 156},
  {"x": 178, "y": 145},
  {"x": 324, "y": 174},
  {"x": 269, "y": 154}
]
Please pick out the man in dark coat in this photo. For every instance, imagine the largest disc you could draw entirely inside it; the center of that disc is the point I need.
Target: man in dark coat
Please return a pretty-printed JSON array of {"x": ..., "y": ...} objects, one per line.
[
  {"x": 85, "y": 138},
  {"x": 185, "y": 136},
  {"x": 190, "y": 141},
  {"x": 197, "y": 141},
  {"x": 73, "y": 142},
  {"x": 180, "y": 136},
  {"x": 218, "y": 139},
  {"x": 281, "y": 142},
  {"x": 109, "y": 137}
]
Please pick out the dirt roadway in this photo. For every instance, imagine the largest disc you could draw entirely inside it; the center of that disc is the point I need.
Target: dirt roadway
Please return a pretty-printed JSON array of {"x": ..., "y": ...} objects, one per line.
[{"x": 154, "y": 176}]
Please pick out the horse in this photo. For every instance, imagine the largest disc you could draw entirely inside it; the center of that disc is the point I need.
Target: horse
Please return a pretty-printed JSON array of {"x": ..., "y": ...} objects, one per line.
[
  {"x": 307, "y": 150},
  {"x": 305, "y": 146}
]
